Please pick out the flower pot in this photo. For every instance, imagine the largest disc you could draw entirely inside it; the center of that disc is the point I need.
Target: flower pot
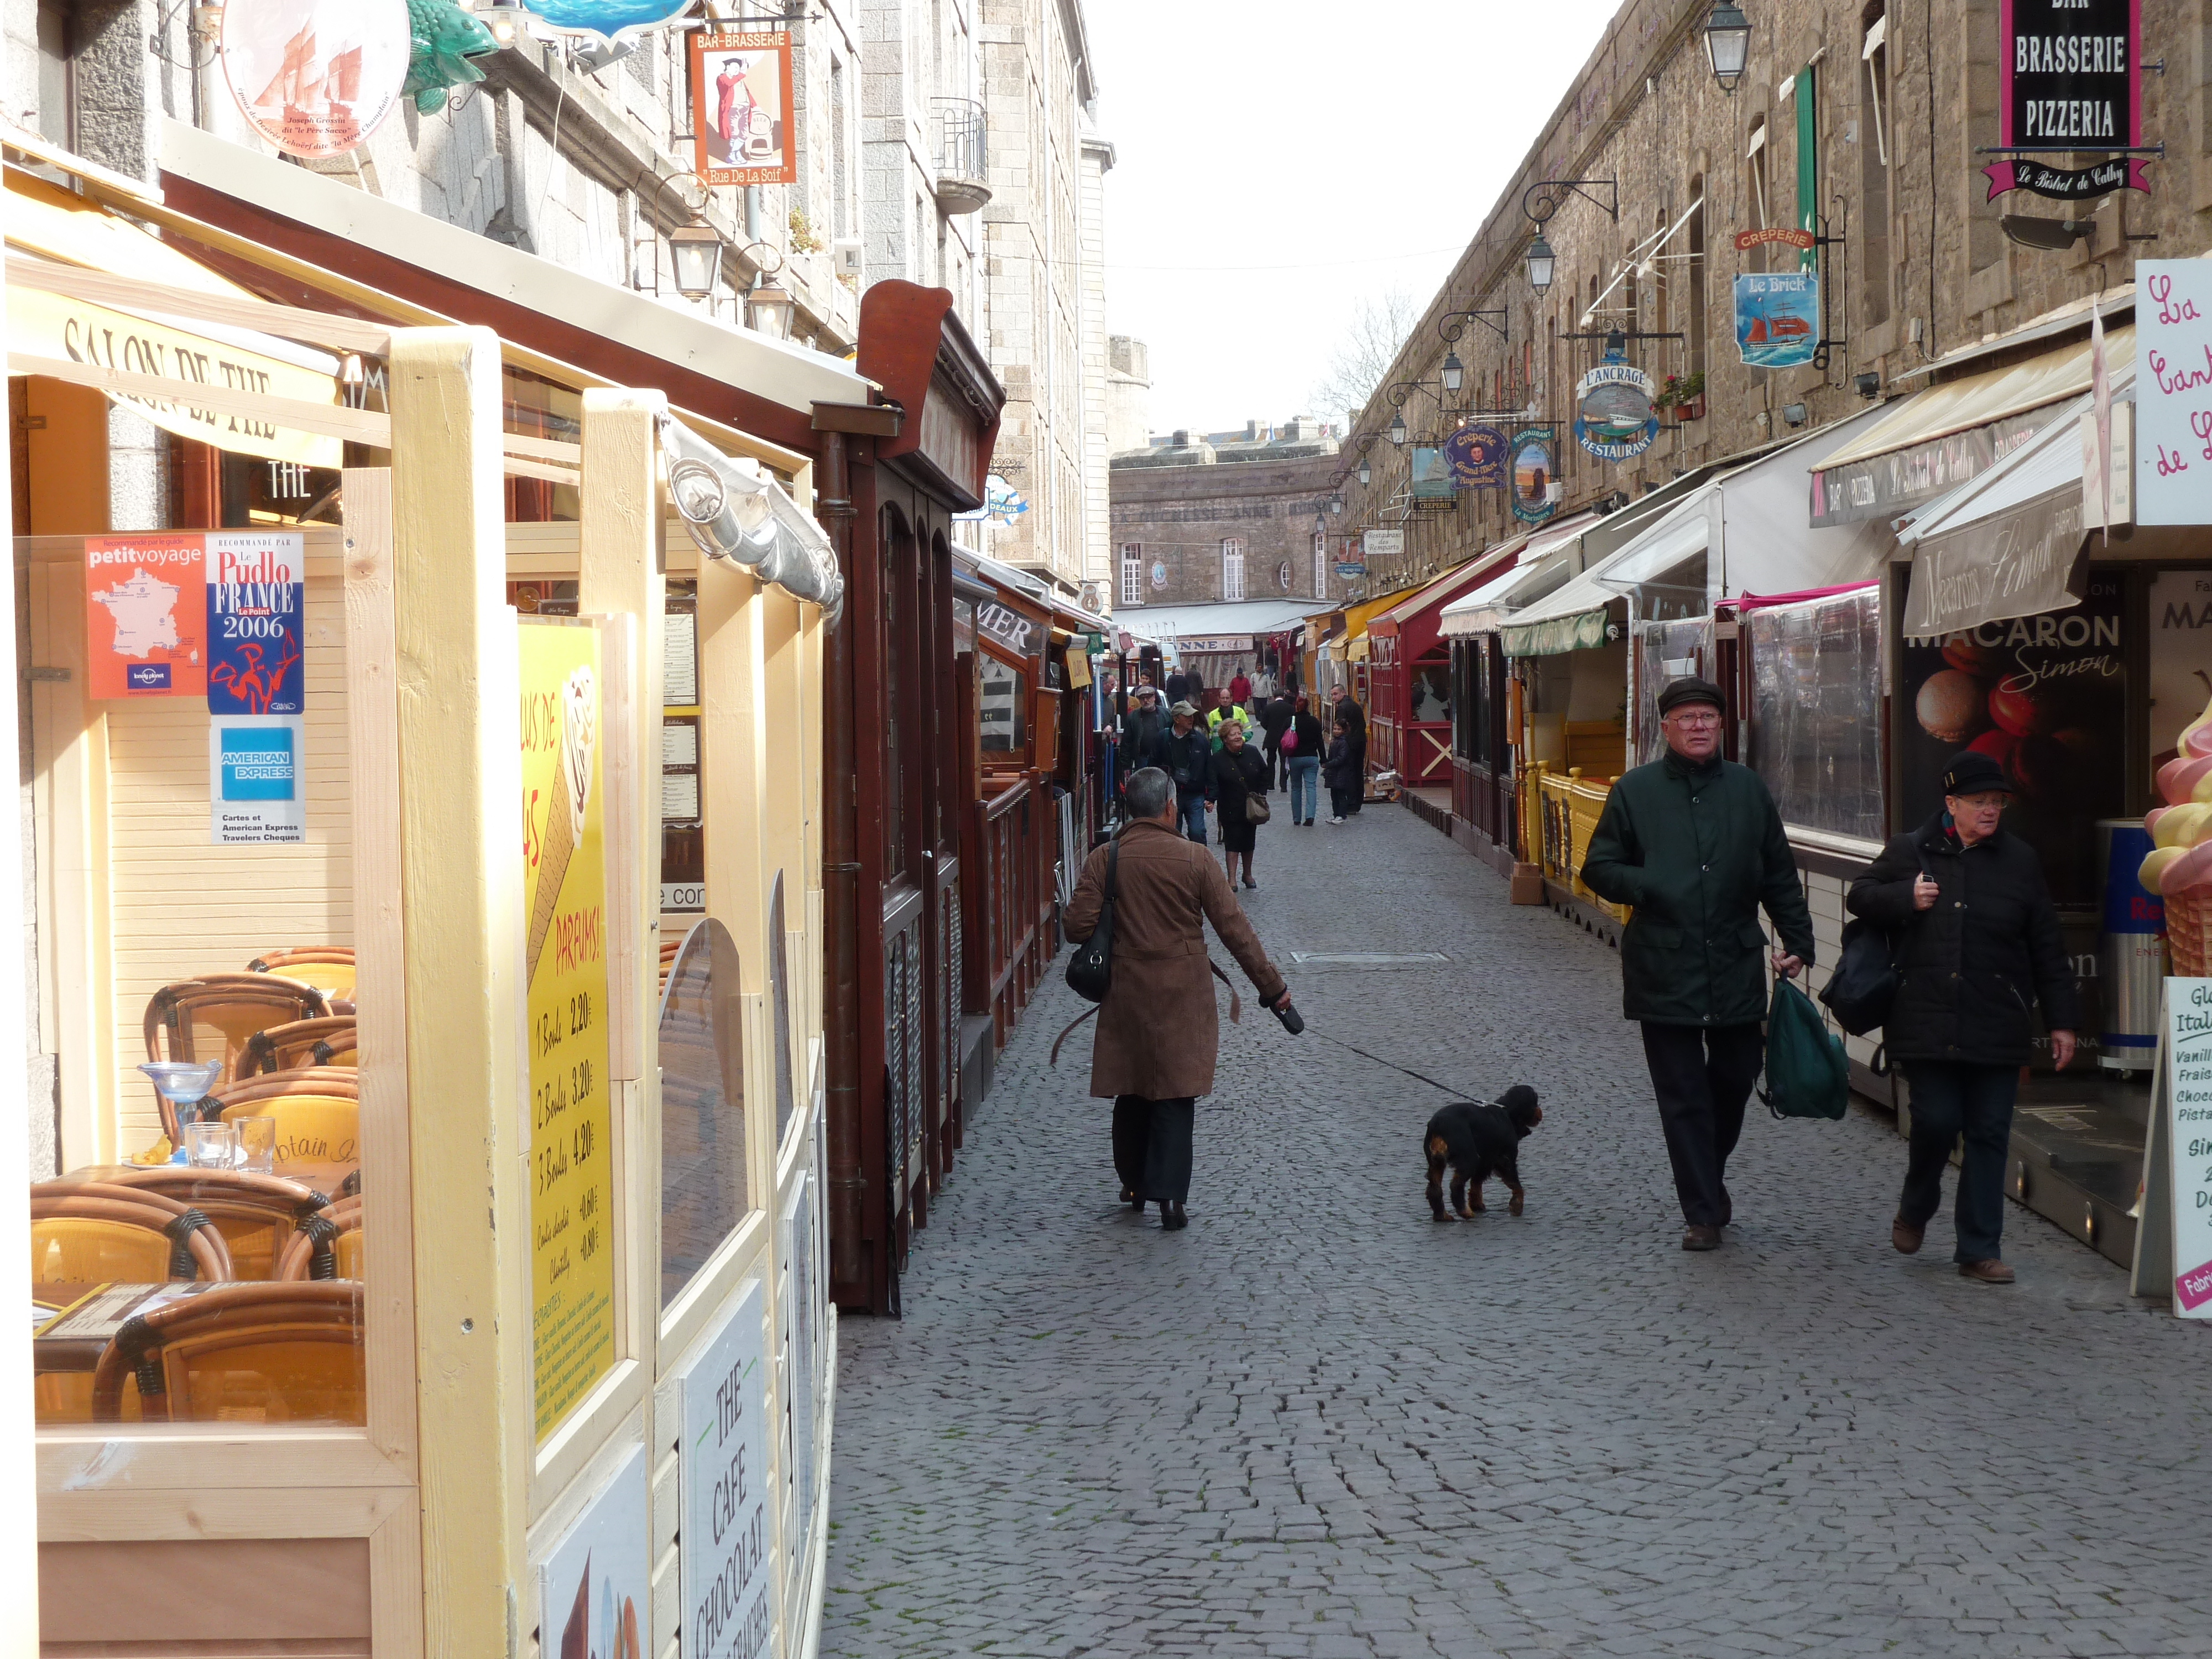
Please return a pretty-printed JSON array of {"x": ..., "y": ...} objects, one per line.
[{"x": 1693, "y": 409}]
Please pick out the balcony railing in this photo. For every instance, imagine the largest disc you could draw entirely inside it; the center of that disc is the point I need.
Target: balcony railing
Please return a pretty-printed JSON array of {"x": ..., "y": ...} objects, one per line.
[{"x": 963, "y": 165}]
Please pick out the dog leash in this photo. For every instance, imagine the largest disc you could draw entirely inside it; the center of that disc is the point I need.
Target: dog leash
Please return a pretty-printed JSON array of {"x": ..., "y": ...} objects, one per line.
[
  {"x": 1236, "y": 1013},
  {"x": 1391, "y": 1064}
]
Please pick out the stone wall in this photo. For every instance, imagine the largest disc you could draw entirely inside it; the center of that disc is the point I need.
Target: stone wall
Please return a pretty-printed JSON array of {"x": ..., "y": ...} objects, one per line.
[{"x": 1178, "y": 516}]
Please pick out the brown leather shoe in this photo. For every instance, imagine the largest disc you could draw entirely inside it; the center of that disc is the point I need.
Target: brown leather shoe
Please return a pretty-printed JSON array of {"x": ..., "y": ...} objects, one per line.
[
  {"x": 1701, "y": 1238},
  {"x": 1992, "y": 1272},
  {"x": 1906, "y": 1237}
]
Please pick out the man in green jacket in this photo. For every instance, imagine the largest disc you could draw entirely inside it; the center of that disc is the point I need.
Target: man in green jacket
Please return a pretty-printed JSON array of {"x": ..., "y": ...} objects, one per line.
[{"x": 1694, "y": 844}]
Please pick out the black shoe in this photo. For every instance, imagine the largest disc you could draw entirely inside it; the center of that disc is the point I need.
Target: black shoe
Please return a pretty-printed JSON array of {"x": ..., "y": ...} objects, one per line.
[
  {"x": 1172, "y": 1219},
  {"x": 1248, "y": 882},
  {"x": 1701, "y": 1238},
  {"x": 1132, "y": 1200}
]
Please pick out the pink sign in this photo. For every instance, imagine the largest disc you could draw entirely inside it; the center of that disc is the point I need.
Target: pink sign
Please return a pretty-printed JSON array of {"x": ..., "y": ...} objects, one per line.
[
  {"x": 2173, "y": 391},
  {"x": 2194, "y": 1287}
]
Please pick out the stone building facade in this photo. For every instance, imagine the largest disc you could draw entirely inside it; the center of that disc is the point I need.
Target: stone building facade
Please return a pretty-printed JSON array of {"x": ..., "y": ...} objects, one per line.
[
  {"x": 1207, "y": 517},
  {"x": 1898, "y": 104}
]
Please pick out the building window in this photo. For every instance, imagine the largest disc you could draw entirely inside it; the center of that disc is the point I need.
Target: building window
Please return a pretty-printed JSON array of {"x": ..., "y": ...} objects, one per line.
[
  {"x": 1695, "y": 299},
  {"x": 1320, "y": 566},
  {"x": 1755, "y": 197},
  {"x": 1132, "y": 573},
  {"x": 1232, "y": 568},
  {"x": 1874, "y": 168}
]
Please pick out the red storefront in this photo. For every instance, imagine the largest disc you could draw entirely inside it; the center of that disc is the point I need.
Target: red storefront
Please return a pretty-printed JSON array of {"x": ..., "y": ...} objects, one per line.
[{"x": 1409, "y": 659}]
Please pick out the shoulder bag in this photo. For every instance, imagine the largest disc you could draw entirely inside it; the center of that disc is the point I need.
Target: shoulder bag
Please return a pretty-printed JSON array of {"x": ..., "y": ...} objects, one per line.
[
  {"x": 1807, "y": 1075},
  {"x": 1864, "y": 986},
  {"x": 1090, "y": 968}
]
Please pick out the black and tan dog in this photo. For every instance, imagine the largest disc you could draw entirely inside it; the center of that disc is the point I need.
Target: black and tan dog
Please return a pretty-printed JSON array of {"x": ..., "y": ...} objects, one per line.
[{"x": 1479, "y": 1142}]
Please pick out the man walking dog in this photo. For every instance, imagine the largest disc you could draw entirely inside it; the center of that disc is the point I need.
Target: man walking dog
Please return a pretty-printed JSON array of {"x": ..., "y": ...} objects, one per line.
[
  {"x": 1153, "y": 1052},
  {"x": 1694, "y": 844}
]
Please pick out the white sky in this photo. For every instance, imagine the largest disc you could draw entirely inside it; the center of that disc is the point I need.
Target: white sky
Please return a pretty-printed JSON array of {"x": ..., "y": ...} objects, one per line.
[{"x": 1343, "y": 147}]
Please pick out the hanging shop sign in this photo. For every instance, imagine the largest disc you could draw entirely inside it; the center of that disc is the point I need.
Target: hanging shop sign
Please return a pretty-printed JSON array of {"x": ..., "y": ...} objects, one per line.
[
  {"x": 1614, "y": 419},
  {"x": 145, "y": 616},
  {"x": 565, "y": 980},
  {"x": 2068, "y": 77},
  {"x": 1212, "y": 645},
  {"x": 610, "y": 20},
  {"x": 1787, "y": 235},
  {"x": 1351, "y": 570},
  {"x": 1476, "y": 455},
  {"x": 1432, "y": 474},
  {"x": 1777, "y": 318},
  {"x": 1535, "y": 456},
  {"x": 2067, "y": 183},
  {"x": 741, "y": 127},
  {"x": 1008, "y": 626},
  {"x": 316, "y": 78},
  {"x": 1381, "y": 544},
  {"x": 256, "y": 780},
  {"x": 2173, "y": 391},
  {"x": 257, "y": 649},
  {"x": 723, "y": 1552},
  {"x": 595, "y": 1585}
]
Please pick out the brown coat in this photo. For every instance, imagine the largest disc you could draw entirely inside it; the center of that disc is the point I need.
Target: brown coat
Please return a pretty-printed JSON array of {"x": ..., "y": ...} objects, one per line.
[{"x": 1158, "y": 1029}]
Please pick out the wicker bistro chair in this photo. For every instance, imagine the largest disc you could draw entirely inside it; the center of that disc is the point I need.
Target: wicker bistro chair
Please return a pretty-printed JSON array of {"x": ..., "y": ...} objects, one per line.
[
  {"x": 334, "y": 1082},
  {"x": 301, "y": 1042},
  {"x": 328, "y": 968},
  {"x": 287, "y": 1351},
  {"x": 236, "y": 1006},
  {"x": 259, "y": 1216},
  {"x": 327, "y": 1246},
  {"x": 93, "y": 1232},
  {"x": 311, "y": 1128}
]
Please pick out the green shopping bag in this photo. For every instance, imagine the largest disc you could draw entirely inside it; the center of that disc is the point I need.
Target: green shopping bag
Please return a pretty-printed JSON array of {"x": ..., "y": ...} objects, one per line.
[{"x": 1807, "y": 1075}]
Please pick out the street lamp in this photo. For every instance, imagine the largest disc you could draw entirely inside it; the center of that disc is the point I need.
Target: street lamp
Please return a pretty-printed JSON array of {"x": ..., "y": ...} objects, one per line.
[
  {"x": 1397, "y": 433},
  {"x": 1366, "y": 472},
  {"x": 1335, "y": 504},
  {"x": 769, "y": 307},
  {"x": 1728, "y": 43},
  {"x": 696, "y": 250},
  {"x": 1455, "y": 371},
  {"x": 1543, "y": 263}
]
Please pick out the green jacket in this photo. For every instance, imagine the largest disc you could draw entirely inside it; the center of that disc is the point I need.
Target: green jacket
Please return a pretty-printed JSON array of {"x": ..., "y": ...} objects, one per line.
[{"x": 1696, "y": 851}]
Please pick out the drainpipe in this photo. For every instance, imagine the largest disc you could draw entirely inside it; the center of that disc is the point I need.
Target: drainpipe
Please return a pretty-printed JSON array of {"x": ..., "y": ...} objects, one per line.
[{"x": 841, "y": 883}]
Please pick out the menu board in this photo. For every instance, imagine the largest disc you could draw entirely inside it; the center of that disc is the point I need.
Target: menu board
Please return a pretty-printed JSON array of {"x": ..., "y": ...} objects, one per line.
[
  {"x": 2189, "y": 1098},
  {"x": 565, "y": 971},
  {"x": 145, "y": 616},
  {"x": 723, "y": 1543}
]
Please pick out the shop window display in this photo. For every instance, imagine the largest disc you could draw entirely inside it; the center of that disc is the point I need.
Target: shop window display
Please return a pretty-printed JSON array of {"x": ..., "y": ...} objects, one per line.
[
  {"x": 704, "y": 1191},
  {"x": 1812, "y": 730}
]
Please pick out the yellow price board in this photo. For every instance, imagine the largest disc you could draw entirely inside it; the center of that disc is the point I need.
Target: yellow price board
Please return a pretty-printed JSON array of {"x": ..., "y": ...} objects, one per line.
[{"x": 572, "y": 1223}]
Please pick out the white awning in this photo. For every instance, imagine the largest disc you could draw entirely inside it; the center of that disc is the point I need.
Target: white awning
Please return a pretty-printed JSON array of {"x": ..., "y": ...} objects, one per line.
[
  {"x": 1550, "y": 558},
  {"x": 1241, "y": 619},
  {"x": 797, "y": 377}
]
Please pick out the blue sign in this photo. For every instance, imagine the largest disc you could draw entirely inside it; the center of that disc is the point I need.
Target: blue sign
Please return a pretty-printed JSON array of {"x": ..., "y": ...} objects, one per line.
[
  {"x": 146, "y": 676},
  {"x": 608, "y": 19},
  {"x": 1536, "y": 465},
  {"x": 1477, "y": 456},
  {"x": 1614, "y": 419},
  {"x": 258, "y": 763},
  {"x": 1777, "y": 318},
  {"x": 256, "y": 663}
]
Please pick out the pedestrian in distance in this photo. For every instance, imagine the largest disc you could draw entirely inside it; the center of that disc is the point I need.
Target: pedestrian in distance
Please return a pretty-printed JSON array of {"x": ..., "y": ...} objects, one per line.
[
  {"x": 1275, "y": 720},
  {"x": 1178, "y": 688},
  {"x": 1694, "y": 843},
  {"x": 1141, "y": 729},
  {"x": 1263, "y": 681},
  {"x": 1185, "y": 753},
  {"x": 1240, "y": 686},
  {"x": 1354, "y": 717},
  {"x": 1302, "y": 744},
  {"x": 1154, "y": 1050},
  {"x": 1340, "y": 772},
  {"x": 1226, "y": 708},
  {"x": 1240, "y": 777},
  {"x": 1976, "y": 936}
]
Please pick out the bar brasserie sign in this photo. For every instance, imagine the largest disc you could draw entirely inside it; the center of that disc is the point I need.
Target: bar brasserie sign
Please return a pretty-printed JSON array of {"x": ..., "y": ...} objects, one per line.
[{"x": 2069, "y": 78}]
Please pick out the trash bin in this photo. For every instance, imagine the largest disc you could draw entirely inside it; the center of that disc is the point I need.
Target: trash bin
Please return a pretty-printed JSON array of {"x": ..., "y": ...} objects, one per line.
[{"x": 2132, "y": 958}]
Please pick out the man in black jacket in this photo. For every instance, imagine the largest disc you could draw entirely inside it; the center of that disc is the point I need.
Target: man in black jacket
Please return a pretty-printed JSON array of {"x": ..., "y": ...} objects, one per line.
[
  {"x": 1694, "y": 844},
  {"x": 1140, "y": 731},
  {"x": 1185, "y": 753},
  {"x": 1275, "y": 720},
  {"x": 1976, "y": 936}
]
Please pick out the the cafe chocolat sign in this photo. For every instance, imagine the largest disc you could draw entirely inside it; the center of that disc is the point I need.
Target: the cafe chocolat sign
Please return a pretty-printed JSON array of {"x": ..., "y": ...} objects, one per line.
[{"x": 2068, "y": 79}]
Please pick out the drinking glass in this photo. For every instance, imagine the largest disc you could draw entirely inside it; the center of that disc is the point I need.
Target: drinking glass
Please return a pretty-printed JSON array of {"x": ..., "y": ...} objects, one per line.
[
  {"x": 256, "y": 1144},
  {"x": 211, "y": 1145}
]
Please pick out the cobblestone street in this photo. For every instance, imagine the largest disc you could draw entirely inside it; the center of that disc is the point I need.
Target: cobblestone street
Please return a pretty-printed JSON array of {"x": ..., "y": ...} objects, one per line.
[{"x": 1317, "y": 1423}]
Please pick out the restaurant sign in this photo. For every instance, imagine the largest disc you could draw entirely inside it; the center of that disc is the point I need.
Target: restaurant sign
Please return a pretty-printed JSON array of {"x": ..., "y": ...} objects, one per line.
[
  {"x": 1432, "y": 474},
  {"x": 1212, "y": 645},
  {"x": 724, "y": 1547},
  {"x": 1885, "y": 486},
  {"x": 1535, "y": 460},
  {"x": 610, "y": 20},
  {"x": 1777, "y": 318},
  {"x": 565, "y": 979},
  {"x": 1477, "y": 456},
  {"x": 1614, "y": 419},
  {"x": 741, "y": 125},
  {"x": 2069, "y": 78},
  {"x": 1383, "y": 545},
  {"x": 1008, "y": 626},
  {"x": 316, "y": 78},
  {"x": 257, "y": 661}
]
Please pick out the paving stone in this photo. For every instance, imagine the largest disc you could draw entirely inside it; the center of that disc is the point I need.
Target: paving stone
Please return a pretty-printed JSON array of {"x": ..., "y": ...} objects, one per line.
[{"x": 1549, "y": 1434}]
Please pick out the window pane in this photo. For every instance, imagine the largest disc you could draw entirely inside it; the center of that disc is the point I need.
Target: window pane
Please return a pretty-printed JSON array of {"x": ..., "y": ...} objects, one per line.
[
  {"x": 703, "y": 1192},
  {"x": 1813, "y": 731}
]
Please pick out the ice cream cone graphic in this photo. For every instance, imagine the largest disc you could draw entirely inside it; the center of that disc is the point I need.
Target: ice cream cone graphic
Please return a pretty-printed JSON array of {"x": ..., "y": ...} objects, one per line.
[{"x": 564, "y": 815}]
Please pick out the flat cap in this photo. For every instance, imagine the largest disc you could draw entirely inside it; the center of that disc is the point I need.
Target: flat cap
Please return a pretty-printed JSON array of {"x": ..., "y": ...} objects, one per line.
[
  {"x": 1184, "y": 708},
  {"x": 1969, "y": 772},
  {"x": 1689, "y": 689}
]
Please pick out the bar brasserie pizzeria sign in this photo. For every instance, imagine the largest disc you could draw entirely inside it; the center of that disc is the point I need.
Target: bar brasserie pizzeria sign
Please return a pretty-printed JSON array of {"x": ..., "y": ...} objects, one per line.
[{"x": 2068, "y": 79}]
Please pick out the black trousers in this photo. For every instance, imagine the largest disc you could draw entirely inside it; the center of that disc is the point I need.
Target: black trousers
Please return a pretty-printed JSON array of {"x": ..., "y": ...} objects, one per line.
[
  {"x": 1151, "y": 1147},
  {"x": 1703, "y": 1076},
  {"x": 1343, "y": 802},
  {"x": 1950, "y": 1101}
]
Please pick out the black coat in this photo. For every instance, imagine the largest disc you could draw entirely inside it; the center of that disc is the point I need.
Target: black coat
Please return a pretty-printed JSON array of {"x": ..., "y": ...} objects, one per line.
[
  {"x": 1141, "y": 736},
  {"x": 1971, "y": 964},
  {"x": 1341, "y": 769},
  {"x": 1312, "y": 740},
  {"x": 1275, "y": 718},
  {"x": 1187, "y": 759},
  {"x": 1697, "y": 850},
  {"x": 1235, "y": 776}
]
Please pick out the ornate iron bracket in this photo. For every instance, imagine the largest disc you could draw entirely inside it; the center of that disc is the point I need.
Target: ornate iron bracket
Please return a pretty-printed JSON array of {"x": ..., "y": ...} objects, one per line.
[{"x": 1548, "y": 195}]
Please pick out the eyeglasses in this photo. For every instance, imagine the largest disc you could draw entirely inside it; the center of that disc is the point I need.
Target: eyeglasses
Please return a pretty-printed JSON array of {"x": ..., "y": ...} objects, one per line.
[{"x": 1698, "y": 722}]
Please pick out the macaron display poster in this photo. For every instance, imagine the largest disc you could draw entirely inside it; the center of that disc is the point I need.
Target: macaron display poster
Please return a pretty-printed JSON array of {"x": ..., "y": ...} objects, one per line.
[{"x": 2045, "y": 698}]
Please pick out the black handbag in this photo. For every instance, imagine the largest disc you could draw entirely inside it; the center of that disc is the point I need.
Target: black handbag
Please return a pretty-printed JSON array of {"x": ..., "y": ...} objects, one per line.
[
  {"x": 1864, "y": 986},
  {"x": 1090, "y": 968}
]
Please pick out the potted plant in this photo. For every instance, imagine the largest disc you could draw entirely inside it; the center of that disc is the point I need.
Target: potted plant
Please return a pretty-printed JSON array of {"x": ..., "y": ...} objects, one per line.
[{"x": 1685, "y": 393}]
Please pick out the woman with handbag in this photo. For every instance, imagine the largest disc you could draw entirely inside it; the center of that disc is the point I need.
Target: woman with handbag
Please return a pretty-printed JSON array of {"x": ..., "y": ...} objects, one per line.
[
  {"x": 1977, "y": 939},
  {"x": 1302, "y": 743},
  {"x": 1240, "y": 794}
]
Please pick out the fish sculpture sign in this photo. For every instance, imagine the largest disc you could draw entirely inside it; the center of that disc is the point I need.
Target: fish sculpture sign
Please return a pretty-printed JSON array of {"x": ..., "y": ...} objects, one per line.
[{"x": 610, "y": 20}]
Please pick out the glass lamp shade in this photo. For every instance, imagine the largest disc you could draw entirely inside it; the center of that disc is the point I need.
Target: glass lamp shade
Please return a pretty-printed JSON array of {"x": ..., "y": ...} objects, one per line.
[
  {"x": 768, "y": 310},
  {"x": 1398, "y": 429},
  {"x": 1543, "y": 263},
  {"x": 1728, "y": 43},
  {"x": 696, "y": 251},
  {"x": 1366, "y": 472},
  {"x": 1335, "y": 504},
  {"x": 1455, "y": 371}
]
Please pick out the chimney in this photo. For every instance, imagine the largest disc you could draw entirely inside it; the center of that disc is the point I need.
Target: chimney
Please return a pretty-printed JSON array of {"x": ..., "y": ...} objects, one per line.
[{"x": 1183, "y": 437}]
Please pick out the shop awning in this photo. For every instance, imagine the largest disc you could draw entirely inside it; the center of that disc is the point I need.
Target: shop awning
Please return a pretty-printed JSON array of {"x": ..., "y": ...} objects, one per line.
[
  {"x": 1459, "y": 579},
  {"x": 2010, "y": 544},
  {"x": 1214, "y": 629},
  {"x": 1357, "y": 618},
  {"x": 1546, "y": 558},
  {"x": 1938, "y": 439}
]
